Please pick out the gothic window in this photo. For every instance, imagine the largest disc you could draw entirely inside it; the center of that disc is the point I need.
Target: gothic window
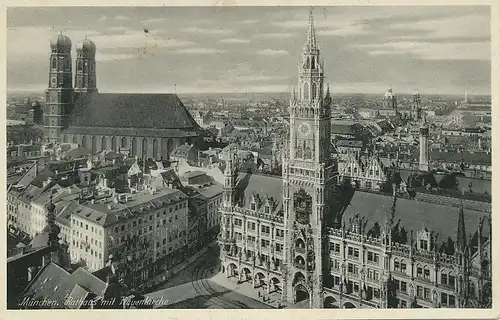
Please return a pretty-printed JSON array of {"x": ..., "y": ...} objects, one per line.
[
  {"x": 155, "y": 148},
  {"x": 104, "y": 143},
  {"x": 134, "y": 146},
  {"x": 306, "y": 91},
  {"x": 145, "y": 147},
  {"x": 313, "y": 63},
  {"x": 94, "y": 144},
  {"x": 307, "y": 63},
  {"x": 314, "y": 94},
  {"x": 54, "y": 63},
  {"x": 113, "y": 143},
  {"x": 79, "y": 66}
]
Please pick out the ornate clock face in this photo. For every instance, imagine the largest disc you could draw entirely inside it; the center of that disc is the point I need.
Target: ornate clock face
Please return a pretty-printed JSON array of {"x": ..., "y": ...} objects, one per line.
[
  {"x": 53, "y": 82},
  {"x": 304, "y": 129}
]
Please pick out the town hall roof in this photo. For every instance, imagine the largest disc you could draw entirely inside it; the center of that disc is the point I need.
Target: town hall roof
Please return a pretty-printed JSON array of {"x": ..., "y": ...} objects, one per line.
[{"x": 131, "y": 110}]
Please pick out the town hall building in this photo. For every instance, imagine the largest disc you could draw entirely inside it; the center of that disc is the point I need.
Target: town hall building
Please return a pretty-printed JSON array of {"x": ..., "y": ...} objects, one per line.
[{"x": 314, "y": 240}]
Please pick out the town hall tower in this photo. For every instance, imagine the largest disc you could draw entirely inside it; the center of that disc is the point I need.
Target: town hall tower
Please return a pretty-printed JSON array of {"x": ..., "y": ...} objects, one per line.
[{"x": 309, "y": 176}]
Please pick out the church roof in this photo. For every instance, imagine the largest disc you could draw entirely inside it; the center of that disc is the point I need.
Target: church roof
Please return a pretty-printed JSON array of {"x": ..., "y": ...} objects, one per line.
[{"x": 131, "y": 110}]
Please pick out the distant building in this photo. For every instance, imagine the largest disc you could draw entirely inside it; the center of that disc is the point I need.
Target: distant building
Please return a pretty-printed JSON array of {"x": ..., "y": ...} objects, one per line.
[
  {"x": 464, "y": 132},
  {"x": 365, "y": 172},
  {"x": 424, "y": 146},
  {"x": 187, "y": 153},
  {"x": 202, "y": 117},
  {"x": 390, "y": 100},
  {"x": 345, "y": 148}
]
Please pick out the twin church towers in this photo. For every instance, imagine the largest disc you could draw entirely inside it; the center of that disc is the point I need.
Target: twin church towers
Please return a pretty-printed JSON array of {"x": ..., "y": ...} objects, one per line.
[{"x": 61, "y": 94}]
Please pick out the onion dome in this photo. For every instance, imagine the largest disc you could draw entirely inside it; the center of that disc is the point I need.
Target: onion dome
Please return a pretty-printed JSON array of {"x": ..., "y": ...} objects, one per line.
[
  {"x": 86, "y": 45},
  {"x": 60, "y": 43}
]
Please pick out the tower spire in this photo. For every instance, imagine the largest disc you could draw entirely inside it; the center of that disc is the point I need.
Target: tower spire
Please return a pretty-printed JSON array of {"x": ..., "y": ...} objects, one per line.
[
  {"x": 311, "y": 33},
  {"x": 461, "y": 235}
]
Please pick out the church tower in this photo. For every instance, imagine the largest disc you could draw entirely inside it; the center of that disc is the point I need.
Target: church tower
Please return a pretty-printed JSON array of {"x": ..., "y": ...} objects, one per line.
[
  {"x": 85, "y": 76},
  {"x": 230, "y": 175},
  {"x": 424, "y": 146},
  {"x": 416, "y": 107},
  {"x": 59, "y": 95},
  {"x": 309, "y": 176}
]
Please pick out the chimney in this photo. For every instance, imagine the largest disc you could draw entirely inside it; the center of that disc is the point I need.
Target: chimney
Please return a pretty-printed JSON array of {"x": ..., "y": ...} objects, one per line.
[
  {"x": 109, "y": 206},
  {"x": 92, "y": 201}
]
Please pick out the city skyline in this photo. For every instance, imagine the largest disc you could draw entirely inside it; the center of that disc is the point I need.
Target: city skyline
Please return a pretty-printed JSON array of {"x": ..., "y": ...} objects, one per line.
[{"x": 256, "y": 49}]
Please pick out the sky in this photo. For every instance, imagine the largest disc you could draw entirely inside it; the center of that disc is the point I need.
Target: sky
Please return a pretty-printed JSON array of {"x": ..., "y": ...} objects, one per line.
[{"x": 258, "y": 49}]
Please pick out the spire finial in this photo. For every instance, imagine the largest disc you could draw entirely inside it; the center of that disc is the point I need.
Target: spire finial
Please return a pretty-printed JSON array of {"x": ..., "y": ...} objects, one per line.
[
  {"x": 311, "y": 34},
  {"x": 461, "y": 235}
]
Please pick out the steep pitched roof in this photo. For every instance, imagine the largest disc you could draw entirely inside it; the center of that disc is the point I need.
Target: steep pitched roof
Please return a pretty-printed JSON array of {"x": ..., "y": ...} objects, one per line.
[
  {"x": 56, "y": 285},
  {"x": 131, "y": 110},
  {"x": 270, "y": 186},
  {"x": 414, "y": 215}
]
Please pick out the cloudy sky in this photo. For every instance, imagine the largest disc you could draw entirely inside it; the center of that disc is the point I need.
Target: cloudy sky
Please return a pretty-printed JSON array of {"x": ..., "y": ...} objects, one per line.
[{"x": 257, "y": 49}]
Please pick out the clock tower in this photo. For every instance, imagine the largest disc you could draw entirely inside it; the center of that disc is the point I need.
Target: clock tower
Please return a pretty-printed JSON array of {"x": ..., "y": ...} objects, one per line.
[{"x": 309, "y": 177}]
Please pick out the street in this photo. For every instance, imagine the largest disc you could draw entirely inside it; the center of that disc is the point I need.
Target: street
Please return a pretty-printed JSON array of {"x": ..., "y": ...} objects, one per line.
[{"x": 192, "y": 289}]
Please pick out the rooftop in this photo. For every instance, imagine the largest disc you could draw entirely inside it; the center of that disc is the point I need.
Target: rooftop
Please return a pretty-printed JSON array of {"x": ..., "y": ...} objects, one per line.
[
  {"x": 159, "y": 111},
  {"x": 55, "y": 284},
  {"x": 414, "y": 215},
  {"x": 107, "y": 214}
]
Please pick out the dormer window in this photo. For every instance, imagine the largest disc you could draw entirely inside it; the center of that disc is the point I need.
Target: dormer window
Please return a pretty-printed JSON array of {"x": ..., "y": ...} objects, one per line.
[
  {"x": 423, "y": 244},
  {"x": 267, "y": 210},
  {"x": 252, "y": 206}
]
